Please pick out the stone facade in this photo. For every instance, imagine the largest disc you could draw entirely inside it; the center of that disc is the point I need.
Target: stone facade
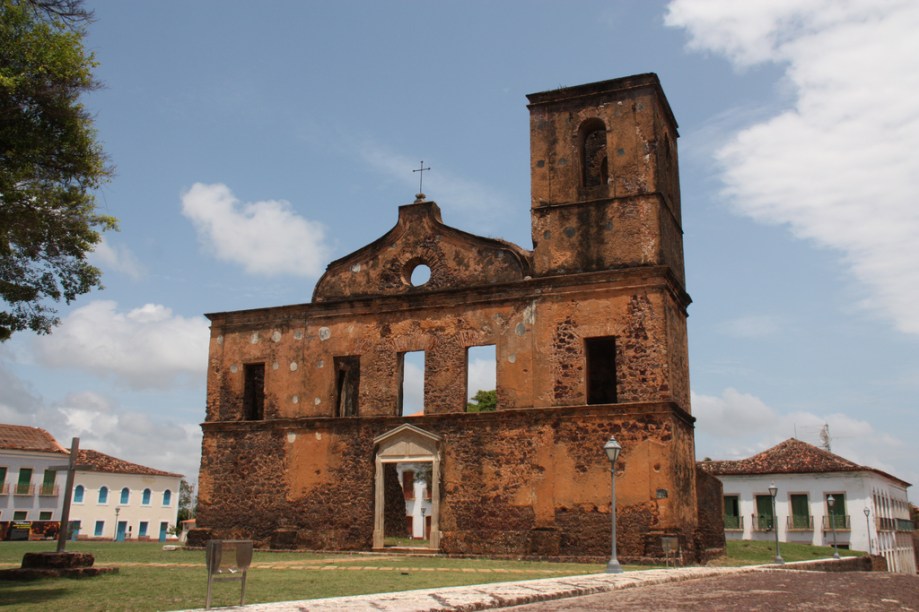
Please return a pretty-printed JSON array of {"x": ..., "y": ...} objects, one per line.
[{"x": 589, "y": 330}]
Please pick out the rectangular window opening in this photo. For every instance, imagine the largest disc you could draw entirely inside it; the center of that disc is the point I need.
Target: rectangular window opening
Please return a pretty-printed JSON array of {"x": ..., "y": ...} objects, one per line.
[
  {"x": 732, "y": 512},
  {"x": 408, "y": 484},
  {"x": 254, "y": 392},
  {"x": 800, "y": 512},
  {"x": 100, "y": 525},
  {"x": 836, "y": 514},
  {"x": 764, "y": 517},
  {"x": 411, "y": 389},
  {"x": 601, "y": 369},
  {"x": 481, "y": 379},
  {"x": 347, "y": 385},
  {"x": 47, "y": 485},
  {"x": 24, "y": 486},
  {"x": 20, "y": 515},
  {"x": 44, "y": 516}
]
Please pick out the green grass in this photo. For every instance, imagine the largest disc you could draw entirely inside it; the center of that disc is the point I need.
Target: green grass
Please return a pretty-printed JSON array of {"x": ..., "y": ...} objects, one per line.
[
  {"x": 746, "y": 552},
  {"x": 150, "y": 578}
]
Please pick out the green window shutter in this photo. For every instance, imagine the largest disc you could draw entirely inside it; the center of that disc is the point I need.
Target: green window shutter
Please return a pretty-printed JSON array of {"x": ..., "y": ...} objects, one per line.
[{"x": 800, "y": 512}]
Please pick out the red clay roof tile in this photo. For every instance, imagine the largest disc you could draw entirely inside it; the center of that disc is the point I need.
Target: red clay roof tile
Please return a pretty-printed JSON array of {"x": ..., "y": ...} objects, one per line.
[
  {"x": 789, "y": 457},
  {"x": 23, "y": 437}
]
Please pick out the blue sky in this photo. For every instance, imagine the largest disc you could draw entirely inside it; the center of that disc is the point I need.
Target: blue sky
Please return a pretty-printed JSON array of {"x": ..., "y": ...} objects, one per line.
[{"x": 256, "y": 142}]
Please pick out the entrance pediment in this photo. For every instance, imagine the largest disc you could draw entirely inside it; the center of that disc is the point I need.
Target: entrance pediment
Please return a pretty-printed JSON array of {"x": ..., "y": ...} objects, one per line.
[{"x": 407, "y": 443}]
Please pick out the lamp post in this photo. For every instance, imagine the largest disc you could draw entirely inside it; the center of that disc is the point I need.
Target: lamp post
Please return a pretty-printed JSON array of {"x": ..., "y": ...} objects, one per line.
[
  {"x": 868, "y": 527},
  {"x": 612, "y": 449},
  {"x": 773, "y": 490},
  {"x": 831, "y": 501},
  {"x": 117, "y": 512}
]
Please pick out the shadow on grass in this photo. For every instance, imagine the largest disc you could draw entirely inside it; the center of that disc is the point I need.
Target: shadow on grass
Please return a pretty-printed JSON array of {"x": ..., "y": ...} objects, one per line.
[{"x": 34, "y": 593}]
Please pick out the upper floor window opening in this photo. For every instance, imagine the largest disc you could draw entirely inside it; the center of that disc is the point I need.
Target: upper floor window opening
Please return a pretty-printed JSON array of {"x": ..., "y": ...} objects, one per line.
[{"x": 254, "y": 391}]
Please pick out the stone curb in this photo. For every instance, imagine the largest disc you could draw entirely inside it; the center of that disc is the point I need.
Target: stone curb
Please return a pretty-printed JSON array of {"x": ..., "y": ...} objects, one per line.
[{"x": 494, "y": 595}]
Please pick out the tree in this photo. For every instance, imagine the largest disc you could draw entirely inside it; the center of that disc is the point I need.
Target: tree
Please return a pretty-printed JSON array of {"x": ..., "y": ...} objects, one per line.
[
  {"x": 187, "y": 501},
  {"x": 485, "y": 401},
  {"x": 50, "y": 163}
]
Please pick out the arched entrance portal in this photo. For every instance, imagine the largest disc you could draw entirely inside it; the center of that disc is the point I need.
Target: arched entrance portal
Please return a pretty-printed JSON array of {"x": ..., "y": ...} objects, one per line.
[{"x": 406, "y": 444}]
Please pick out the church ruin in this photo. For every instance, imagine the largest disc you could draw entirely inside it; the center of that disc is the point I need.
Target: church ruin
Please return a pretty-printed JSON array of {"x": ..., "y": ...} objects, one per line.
[{"x": 304, "y": 402}]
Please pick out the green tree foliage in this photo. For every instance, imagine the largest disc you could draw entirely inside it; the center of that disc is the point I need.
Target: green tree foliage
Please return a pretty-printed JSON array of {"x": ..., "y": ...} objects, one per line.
[
  {"x": 187, "y": 502},
  {"x": 50, "y": 163},
  {"x": 483, "y": 401}
]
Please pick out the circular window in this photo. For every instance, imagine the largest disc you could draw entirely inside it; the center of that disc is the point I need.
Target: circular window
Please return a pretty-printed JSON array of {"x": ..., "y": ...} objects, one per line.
[{"x": 420, "y": 275}]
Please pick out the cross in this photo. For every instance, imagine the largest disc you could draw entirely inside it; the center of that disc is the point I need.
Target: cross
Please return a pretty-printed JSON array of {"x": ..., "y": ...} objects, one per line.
[
  {"x": 71, "y": 468},
  {"x": 422, "y": 170}
]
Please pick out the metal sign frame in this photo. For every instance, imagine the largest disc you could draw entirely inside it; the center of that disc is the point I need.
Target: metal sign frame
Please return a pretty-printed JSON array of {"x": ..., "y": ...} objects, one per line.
[{"x": 227, "y": 560}]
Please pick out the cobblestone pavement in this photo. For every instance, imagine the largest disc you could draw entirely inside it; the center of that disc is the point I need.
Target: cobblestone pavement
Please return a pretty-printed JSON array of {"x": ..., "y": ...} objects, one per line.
[{"x": 756, "y": 591}]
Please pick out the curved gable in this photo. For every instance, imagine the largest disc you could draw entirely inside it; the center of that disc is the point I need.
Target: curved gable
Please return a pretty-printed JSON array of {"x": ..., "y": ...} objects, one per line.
[{"x": 455, "y": 258}]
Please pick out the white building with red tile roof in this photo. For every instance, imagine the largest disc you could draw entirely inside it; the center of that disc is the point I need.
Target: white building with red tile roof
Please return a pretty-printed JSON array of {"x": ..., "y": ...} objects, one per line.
[
  {"x": 869, "y": 509},
  {"x": 29, "y": 490},
  {"x": 113, "y": 499}
]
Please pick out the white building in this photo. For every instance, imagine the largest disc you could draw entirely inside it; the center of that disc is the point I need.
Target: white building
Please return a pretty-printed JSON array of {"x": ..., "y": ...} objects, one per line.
[
  {"x": 114, "y": 499},
  {"x": 29, "y": 489},
  {"x": 821, "y": 498},
  {"x": 415, "y": 479}
]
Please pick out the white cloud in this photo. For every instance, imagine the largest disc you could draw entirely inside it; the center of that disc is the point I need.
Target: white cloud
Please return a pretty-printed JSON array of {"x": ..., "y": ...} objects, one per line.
[
  {"x": 148, "y": 347},
  {"x": 103, "y": 426},
  {"x": 118, "y": 258},
  {"x": 751, "y": 326},
  {"x": 129, "y": 435},
  {"x": 840, "y": 168},
  {"x": 266, "y": 238},
  {"x": 735, "y": 425}
]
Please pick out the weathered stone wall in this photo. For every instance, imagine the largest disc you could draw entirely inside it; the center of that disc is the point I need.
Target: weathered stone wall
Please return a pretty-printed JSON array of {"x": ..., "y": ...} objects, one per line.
[
  {"x": 709, "y": 500},
  {"x": 537, "y": 326},
  {"x": 531, "y": 482},
  {"x": 631, "y": 219}
]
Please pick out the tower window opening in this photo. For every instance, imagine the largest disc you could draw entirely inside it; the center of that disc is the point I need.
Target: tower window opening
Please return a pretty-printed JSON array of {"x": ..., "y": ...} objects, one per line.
[
  {"x": 601, "y": 369},
  {"x": 594, "y": 163}
]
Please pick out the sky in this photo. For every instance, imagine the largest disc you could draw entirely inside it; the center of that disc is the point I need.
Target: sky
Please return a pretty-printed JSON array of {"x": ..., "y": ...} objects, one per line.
[{"x": 254, "y": 143}]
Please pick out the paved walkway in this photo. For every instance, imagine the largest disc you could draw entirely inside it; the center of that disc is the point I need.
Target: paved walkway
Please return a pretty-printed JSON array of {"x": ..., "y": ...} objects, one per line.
[{"x": 495, "y": 595}]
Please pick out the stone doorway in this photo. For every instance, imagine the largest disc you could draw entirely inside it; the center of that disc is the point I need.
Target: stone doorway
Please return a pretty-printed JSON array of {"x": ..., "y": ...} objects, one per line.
[{"x": 407, "y": 444}]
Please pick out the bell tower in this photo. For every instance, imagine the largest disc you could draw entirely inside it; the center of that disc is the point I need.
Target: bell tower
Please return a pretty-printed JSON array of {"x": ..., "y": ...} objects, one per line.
[{"x": 604, "y": 178}]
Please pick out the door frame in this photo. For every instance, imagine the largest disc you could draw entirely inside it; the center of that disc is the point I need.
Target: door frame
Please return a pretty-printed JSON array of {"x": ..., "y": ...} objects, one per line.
[{"x": 406, "y": 444}]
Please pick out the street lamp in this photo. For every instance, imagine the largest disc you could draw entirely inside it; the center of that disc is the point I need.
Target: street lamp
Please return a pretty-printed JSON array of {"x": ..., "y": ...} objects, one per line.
[
  {"x": 612, "y": 449},
  {"x": 773, "y": 490},
  {"x": 831, "y": 501},
  {"x": 868, "y": 527},
  {"x": 117, "y": 512}
]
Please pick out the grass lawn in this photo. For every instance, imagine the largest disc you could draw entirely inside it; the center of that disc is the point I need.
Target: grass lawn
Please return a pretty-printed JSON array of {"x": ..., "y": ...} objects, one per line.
[
  {"x": 150, "y": 578},
  {"x": 745, "y": 552}
]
